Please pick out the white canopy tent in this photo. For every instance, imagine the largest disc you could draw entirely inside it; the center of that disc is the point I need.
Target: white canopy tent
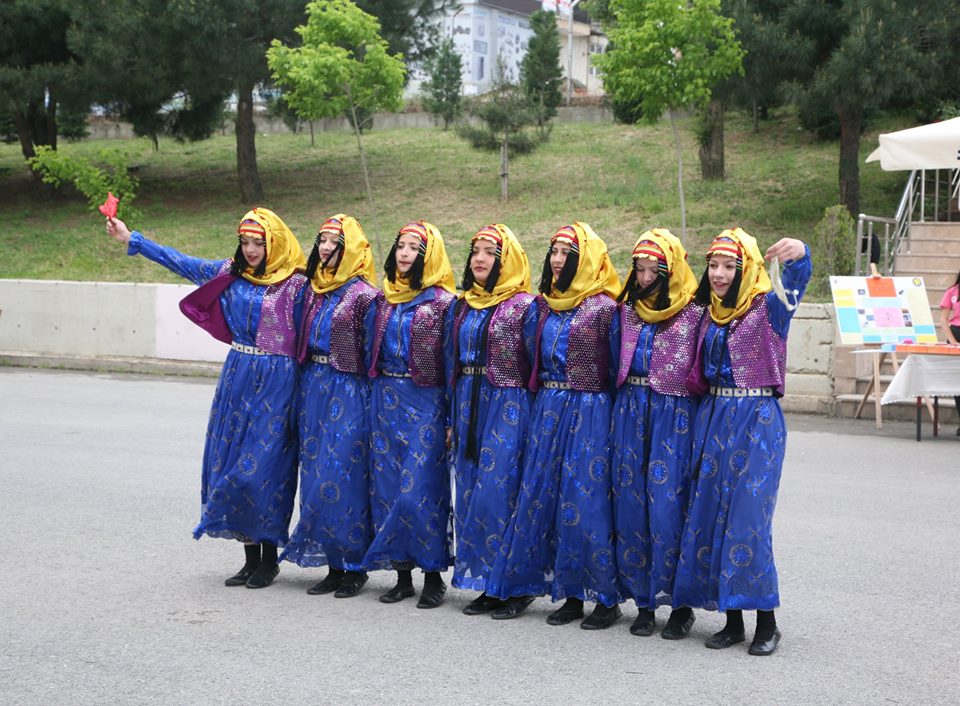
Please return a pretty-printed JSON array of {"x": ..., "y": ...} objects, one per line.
[{"x": 934, "y": 146}]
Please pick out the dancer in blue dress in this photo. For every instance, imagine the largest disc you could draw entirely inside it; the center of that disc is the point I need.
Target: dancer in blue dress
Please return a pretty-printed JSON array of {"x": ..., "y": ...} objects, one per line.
[
  {"x": 651, "y": 426},
  {"x": 726, "y": 555},
  {"x": 490, "y": 352},
  {"x": 249, "y": 476},
  {"x": 411, "y": 479},
  {"x": 560, "y": 539},
  {"x": 335, "y": 526}
]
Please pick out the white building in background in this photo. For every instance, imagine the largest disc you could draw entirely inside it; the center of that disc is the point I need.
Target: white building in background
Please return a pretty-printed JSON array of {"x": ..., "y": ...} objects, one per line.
[{"x": 483, "y": 29}]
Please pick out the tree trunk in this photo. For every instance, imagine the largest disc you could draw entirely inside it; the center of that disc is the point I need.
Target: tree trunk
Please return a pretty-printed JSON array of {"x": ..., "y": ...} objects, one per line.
[
  {"x": 504, "y": 170},
  {"x": 711, "y": 150},
  {"x": 251, "y": 189},
  {"x": 312, "y": 141},
  {"x": 756, "y": 117},
  {"x": 366, "y": 172},
  {"x": 683, "y": 205},
  {"x": 850, "y": 122}
]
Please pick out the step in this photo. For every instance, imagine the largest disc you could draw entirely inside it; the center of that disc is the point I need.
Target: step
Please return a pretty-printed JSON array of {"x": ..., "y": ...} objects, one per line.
[
  {"x": 933, "y": 246},
  {"x": 927, "y": 262}
]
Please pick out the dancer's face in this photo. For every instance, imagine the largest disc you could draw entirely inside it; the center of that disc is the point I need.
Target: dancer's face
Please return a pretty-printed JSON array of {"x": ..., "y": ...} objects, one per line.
[
  {"x": 482, "y": 257},
  {"x": 254, "y": 250},
  {"x": 722, "y": 269},
  {"x": 326, "y": 246},
  {"x": 558, "y": 257},
  {"x": 645, "y": 270},
  {"x": 408, "y": 247}
]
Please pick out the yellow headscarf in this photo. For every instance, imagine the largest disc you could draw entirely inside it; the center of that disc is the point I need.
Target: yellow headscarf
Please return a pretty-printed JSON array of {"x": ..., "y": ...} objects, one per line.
[
  {"x": 514, "y": 269},
  {"x": 436, "y": 270},
  {"x": 754, "y": 279},
  {"x": 595, "y": 273},
  {"x": 284, "y": 254},
  {"x": 683, "y": 283},
  {"x": 356, "y": 260}
]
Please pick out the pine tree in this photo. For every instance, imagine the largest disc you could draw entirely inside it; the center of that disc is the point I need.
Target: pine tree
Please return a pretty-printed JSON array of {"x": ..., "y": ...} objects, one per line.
[
  {"x": 442, "y": 90},
  {"x": 540, "y": 73}
]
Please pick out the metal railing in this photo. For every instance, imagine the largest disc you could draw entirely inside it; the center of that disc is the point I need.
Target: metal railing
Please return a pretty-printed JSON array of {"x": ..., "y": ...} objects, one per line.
[{"x": 922, "y": 195}]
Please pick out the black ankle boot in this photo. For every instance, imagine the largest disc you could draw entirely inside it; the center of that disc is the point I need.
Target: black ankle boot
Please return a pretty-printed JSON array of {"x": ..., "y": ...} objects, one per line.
[
  {"x": 352, "y": 582},
  {"x": 602, "y": 617},
  {"x": 264, "y": 574},
  {"x": 433, "y": 591},
  {"x": 330, "y": 583},
  {"x": 678, "y": 624},
  {"x": 645, "y": 623},
  {"x": 252, "y": 554},
  {"x": 732, "y": 633},
  {"x": 403, "y": 589},
  {"x": 572, "y": 609},
  {"x": 767, "y": 636}
]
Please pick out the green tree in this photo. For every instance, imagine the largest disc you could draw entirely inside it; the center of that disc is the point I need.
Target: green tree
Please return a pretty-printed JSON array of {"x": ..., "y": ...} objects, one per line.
[
  {"x": 410, "y": 27},
  {"x": 670, "y": 55},
  {"x": 501, "y": 121},
  {"x": 342, "y": 65},
  {"x": 37, "y": 69},
  {"x": 540, "y": 73},
  {"x": 442, "y": 89},
  {"x": 870, "y": 54}
]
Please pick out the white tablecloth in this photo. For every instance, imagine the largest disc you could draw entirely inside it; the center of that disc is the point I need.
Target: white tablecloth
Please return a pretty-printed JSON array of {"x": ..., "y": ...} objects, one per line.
[{"x": 924, "y": 376}]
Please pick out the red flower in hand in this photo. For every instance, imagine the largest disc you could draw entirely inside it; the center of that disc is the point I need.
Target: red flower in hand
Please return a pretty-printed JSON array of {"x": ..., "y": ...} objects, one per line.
[{"x": 109, "y": 207}]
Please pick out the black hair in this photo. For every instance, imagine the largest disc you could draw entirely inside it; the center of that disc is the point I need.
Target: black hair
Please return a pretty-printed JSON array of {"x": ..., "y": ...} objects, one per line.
[
  {"x": 957, "y": 280},
  {"x": 567, "y": 274},
  {"x": 632, "y": 293},
  {"x": 468, "y": 279},
  {"x": 729, "y": 299},
  {"x": 414, "y": 274},
  {"x": 314, "y": 260},
  {"x": 240, "y": 263}
]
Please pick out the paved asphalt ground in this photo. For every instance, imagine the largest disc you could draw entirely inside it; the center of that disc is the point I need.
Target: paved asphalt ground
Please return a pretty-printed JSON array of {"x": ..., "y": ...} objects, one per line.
[{"x": 106, "y": 599}]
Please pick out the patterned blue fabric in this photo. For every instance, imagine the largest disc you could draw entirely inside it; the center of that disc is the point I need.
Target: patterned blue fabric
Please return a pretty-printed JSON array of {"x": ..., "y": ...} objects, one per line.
[
  {"x": 410, "y": 489},
  {"x": 726, "y": 555},
  {"x": 651, "y": 464},
  {"x": 486, "y": 490},
  {"x": 560, "y": 540},
  {"x": 335, "y": 525},
  {"x": 249, "y": 472}
]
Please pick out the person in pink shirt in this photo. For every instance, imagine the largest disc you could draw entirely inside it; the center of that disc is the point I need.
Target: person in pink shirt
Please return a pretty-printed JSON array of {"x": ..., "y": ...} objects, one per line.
[{"x": 950, "y": 321}]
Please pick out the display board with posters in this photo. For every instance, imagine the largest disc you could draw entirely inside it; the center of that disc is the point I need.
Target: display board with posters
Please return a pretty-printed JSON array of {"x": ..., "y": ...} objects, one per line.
[{"x": 877, "y": 310}]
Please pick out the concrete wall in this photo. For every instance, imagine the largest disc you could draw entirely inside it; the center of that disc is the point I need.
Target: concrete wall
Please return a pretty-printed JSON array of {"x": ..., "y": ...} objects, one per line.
[
  {"x": 93, "y": 324},
  {"x": 100, "y": 320}
]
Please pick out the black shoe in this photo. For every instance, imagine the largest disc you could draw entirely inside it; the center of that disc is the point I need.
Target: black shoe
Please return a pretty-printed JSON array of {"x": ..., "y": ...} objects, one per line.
[
  {"x": 677, "y": 631},
  {"x": 723, "y": 640},
  {"x": 263, "y": 576},
  {"x": 764, "y": 648},
  {"x": 602, "y": 617},
  {"x": 566, "y": 613},
  {"x": 512, "y": 607},
  {"x": 482, "y": 604},
  {"x": 432, "y": 595},
  {"x": 330, "y": 584},
  {"x": 351, "y": 584},
  {"x": 644, "y": 625},
  {"x": 397, "y": 594},
  {"x": 241, "y": 577}
]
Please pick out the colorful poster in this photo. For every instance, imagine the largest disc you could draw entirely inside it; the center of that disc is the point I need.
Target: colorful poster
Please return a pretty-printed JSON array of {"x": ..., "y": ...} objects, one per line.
[{"x": 875, "y": 310}]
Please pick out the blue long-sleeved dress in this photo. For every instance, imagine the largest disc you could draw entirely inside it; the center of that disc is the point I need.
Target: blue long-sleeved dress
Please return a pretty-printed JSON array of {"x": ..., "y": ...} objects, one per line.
[
  {"x": 410, "y": 489},
  {"x": 335, "y": 525},
  {"x": 486, "y": 489},
  {"x": 249, "y": 476},
  {"x": 726, "y": 555},
  {"x": 560, "y": 540},
  {"x": 651, "y": 443}
]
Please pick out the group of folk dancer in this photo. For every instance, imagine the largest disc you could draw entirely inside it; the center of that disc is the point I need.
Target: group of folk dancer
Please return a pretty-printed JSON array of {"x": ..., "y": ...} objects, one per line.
[{"x": 606, "y": 441}]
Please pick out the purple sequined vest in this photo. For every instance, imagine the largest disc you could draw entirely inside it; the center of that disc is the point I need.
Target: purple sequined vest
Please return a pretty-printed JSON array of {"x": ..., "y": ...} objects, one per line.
[
  {"x": 758, "y": 356},
  {"x": 588, "y": 346},
  {"x": 674, "y": 348},
  {"x": 426, "y": 339},
  {"x": 277, "y": 331},
  {"x": 506, "y": 355},
  {"x": 346, "y": 329}
]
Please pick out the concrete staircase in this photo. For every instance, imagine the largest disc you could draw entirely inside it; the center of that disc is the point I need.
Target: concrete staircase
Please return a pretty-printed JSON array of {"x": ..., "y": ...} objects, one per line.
[{"x": 933, "y": 253}]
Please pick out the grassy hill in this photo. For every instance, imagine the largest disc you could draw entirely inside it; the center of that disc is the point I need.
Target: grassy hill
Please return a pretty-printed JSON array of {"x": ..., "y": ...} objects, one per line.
[{"x": 620, "y": 179}]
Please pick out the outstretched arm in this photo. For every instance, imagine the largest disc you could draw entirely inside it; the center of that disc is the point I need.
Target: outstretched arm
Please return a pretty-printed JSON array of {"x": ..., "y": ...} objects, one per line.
[{"x": 195, "y": 269}]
